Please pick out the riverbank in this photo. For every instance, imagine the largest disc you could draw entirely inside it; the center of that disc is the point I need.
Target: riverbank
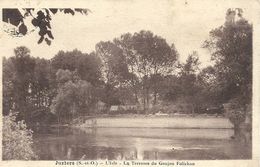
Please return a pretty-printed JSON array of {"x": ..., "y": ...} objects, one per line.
[{"x": 176, "y": 122}]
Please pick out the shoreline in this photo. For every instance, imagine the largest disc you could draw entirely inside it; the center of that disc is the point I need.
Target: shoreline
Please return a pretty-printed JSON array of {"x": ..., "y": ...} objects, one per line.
[{"x": 177, "y": 122}]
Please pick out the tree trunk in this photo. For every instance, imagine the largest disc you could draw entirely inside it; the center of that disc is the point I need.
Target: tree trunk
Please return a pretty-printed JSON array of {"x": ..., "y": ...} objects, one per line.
[
  {"x": 144, "y": 102},
  {"x": 136, "y": 97},
  {"x": 147, "y": 100},
  {"x": 192, "y": 111},
  {"x": 236, "y": 131},
  {"x": 155, "y": 98}
]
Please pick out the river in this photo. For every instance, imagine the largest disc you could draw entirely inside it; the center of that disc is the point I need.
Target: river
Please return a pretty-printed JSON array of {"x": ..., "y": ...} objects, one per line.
[{"x": 66, "y": 143}]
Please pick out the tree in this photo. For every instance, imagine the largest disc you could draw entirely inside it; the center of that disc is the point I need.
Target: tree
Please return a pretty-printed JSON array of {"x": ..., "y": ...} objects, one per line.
[
  {"x": 154, "y": 58},
  {"x": 171, "y": 88},
  {"x": 39, "y": 19},
  {"x": 210, "y": 89},
  {"x": 114, "y": 69},
  {"x": 88, "y": 66},
  {"x": 231, "y": 47},
  {"x": 64, "y": 60},
  {"x": 22, "y": 81},
  {"x": 138, "y": 62},
  {"x": 115, "y": 72},
  {"x": 41, "y": 83},
  {"x": 8, "y": 86},
  {"x": 26, "y": 84},
  {"x": 17, "y": 140},
  {"x": 74, "y": 96},
  {"x": 188, "y": 79},
  {"x": 125, "y": 42}
]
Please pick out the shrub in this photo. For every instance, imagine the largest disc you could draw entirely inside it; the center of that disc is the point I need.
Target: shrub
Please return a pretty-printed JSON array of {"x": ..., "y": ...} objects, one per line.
[
  {"x": 155, "y": 109},
  {"x": 236, "y": 114},
  {"x": 17, "y": 140}
]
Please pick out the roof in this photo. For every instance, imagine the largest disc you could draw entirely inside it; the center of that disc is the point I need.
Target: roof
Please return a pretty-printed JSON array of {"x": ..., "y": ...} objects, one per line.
[
  {"x": 114, "y": 108},
  {"x": 100, "y": 103}
]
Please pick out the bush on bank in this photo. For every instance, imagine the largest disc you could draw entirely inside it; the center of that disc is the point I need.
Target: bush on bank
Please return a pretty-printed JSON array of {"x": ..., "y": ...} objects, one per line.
[{"x": 17, "y": 140}]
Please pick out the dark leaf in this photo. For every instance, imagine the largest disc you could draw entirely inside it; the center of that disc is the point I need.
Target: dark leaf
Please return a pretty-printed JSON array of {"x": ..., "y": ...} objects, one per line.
[
  {"x": 50, "y": 34},
  {"x": 48, "y": 25},
  {"x": 42, "y": 32},
  {"x": 48, "y": 17},
  {"x": 35, "y": 22},
  {"x": 41, "y": 39},
  {"x": 82, "y": 11},
  {"x": 48, "y": 41},
  {"x": 40, "y": 15},
  {"x": 22, "y": 29},
  {"x": 70, "y": 11},
  {"x": 12, "y": 16},
  {"x": 53, "y": 10},
  {"x": 43, "y": 25},
  {"x": 47, "y": 12}
]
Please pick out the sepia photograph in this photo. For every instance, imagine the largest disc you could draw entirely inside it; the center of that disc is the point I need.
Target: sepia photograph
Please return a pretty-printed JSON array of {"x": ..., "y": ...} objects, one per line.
[{"x": 128, "y": 80}]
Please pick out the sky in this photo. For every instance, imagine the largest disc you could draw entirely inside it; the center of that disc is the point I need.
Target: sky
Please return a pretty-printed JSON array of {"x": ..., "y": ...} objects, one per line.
[{"x": 186, "y": 23}]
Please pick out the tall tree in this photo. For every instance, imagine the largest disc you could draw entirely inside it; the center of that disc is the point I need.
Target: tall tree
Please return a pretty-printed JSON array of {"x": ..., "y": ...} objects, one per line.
[
  {"x": 143, "y": 59},
  {"x": 8, "y": 86},
  {"x": 188, "y": 79},
  {"x": 24, "y": 66},
  {"x": 231, "y": 47},
  {"x": 114, "y": 68},
  {"x": 125, "y": 42},
  {"x": 155, "y": 58},
  {"x": 115, "y": 72},
  {"x": 26, "y": 84}
]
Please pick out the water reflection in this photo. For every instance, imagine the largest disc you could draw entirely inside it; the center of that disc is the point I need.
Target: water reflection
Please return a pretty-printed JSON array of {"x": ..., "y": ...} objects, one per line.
[{"x": 135, "y": 143}]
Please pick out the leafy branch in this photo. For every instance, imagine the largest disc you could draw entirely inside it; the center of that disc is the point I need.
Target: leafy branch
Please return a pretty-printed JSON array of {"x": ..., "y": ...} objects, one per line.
[{"x": 40, "y": 19}]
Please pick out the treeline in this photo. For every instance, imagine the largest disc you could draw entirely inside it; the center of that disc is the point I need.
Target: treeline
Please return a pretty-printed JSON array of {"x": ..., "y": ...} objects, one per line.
[
  {"x": 63, "y": 84},
  {"x": 140, "y": 68}
]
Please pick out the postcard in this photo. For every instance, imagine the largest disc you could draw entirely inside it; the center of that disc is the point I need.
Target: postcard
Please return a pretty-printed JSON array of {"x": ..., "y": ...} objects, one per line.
[{"x": 130, "y": 83}]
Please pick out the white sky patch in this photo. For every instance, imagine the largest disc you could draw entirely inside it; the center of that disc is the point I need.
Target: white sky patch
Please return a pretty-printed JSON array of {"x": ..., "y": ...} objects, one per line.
[{"x": 185, "y": 25}]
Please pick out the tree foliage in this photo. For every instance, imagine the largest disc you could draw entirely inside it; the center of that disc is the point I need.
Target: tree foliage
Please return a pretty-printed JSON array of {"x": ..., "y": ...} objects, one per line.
[
  {"x": 39, "y": 19},
  {"x": 88, "y": 66},
  {"x": 138, "y": 62},
  {"x": 231, "y": 46},
  {"x": 33, "y": 84},
  {"x": 8, "y": 85},
  {"x": 17, "y": 140},
  {"x": 74, "y": 95},
  {"x": 184, "y": 85},
  {"x": 188, "y": 77},
  {"x": 22, "y": 79},
  {"x": 115, "y": 70}
]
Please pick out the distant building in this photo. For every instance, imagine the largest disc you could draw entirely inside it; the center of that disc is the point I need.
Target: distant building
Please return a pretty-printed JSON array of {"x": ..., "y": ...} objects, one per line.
[
  {"x": 116, "y": 108},
  {"x": 129, "y": 107}
]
